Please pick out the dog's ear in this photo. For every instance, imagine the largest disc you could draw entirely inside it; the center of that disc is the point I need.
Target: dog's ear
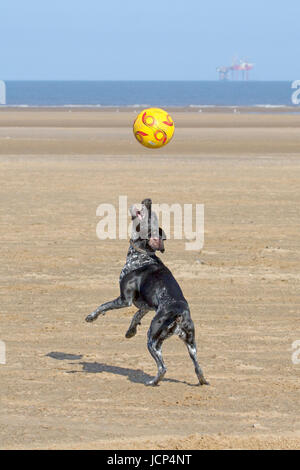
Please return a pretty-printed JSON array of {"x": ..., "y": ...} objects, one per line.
[
  {"x": 162, "y": 234},
  {"x": 147, "y": 205}
]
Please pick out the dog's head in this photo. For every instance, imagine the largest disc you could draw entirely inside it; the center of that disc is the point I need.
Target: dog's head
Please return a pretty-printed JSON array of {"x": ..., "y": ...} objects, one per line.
[{"x": 146, "y": 233}]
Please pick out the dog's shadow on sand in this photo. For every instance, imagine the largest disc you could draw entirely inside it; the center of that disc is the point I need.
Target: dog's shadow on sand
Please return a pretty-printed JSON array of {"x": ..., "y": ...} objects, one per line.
[{"x": 134, "y": 375}]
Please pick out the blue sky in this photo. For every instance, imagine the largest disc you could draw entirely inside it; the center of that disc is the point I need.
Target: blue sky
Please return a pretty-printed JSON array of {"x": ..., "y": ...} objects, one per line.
[{"x": 144, "y": 40}]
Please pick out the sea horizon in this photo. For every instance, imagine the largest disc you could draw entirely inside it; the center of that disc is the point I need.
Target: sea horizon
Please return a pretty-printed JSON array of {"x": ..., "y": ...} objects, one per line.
[{"x": 157, "y": 93}]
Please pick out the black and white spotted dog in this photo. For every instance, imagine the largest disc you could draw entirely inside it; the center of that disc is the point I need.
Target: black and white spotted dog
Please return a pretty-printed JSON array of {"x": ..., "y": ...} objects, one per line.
[{"x": 148, "y": 284}]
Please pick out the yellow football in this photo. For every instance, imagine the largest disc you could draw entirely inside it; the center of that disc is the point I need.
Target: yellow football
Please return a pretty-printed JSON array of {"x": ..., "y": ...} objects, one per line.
[{"x": 153, "y": 128}]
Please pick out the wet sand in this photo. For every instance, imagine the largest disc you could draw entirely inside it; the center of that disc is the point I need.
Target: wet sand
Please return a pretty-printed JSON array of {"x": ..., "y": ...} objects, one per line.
[{"x": 70, "y": 384}]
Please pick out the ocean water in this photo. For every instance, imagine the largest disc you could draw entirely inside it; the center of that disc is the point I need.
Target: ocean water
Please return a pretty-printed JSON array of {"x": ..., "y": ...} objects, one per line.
[{"x": 148, "y": 93}]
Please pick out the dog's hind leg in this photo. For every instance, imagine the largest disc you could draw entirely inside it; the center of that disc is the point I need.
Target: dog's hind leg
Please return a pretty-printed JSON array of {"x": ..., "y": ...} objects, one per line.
[
  {"x": 159, "y": 330},
  {"x": 189, "y": 338},
  {"x": 136, "y": 320},
  {"x": 154, "y": 348},
  {"x": 193, "y": 354}
]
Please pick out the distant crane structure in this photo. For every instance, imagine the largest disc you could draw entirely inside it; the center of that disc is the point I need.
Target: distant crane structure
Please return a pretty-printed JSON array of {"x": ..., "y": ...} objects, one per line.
[{"x": 234, "y": 70}]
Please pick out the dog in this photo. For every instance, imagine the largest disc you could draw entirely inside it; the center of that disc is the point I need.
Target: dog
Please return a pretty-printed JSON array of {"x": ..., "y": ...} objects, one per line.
[{"x": 148, "y": 284}]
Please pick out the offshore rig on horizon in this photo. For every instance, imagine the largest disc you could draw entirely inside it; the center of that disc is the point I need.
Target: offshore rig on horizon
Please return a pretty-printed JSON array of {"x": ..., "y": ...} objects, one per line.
[{"x": 233, "y": 71}]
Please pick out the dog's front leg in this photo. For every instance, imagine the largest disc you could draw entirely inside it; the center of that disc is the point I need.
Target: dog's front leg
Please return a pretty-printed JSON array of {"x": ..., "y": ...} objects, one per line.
[
  {"x": 120, "y": 302},
  {"x": 136, "y": 320}
]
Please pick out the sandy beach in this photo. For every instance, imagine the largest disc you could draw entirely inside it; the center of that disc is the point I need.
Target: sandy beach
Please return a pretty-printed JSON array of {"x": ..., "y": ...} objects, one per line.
[{"x": 68, "y": 384}]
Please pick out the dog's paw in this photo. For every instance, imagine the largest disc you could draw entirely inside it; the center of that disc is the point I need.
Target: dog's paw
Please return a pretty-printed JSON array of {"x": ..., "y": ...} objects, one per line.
[
  {"x": 91, "y": 317},
  {"x": 151, "y": 383},
  {"x": 203, "y": 381},
  {"x": 130, "y": 332},
  {"x": 157, "y": 379}
]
